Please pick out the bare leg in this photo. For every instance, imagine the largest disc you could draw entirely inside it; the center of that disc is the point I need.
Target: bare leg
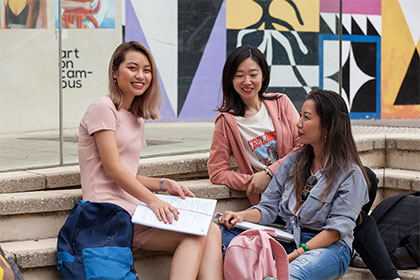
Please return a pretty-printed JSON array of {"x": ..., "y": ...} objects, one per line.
[
  {"x": 211, "y": 263},
  {"x": 189, "y": 251}
]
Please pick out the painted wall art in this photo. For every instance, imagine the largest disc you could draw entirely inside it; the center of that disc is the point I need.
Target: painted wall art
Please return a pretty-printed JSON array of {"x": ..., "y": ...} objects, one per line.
[{"x": 300, "y": 39}]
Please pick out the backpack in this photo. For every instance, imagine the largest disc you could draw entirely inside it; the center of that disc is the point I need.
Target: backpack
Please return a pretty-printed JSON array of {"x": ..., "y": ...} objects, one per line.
[
  {"x": 250, "y": 256},
  {"x": 397, "y": 218},
  {"x": 8, "y": 268},
  {"x": 95, "y": 243}
]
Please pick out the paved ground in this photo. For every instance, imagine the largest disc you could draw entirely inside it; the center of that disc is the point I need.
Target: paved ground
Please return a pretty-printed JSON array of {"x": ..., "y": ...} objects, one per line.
[{"x": 41, "y": 149}]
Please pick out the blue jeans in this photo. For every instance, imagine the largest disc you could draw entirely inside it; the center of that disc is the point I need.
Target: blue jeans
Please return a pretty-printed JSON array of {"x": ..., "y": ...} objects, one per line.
[{"x": 324, "y": 263}]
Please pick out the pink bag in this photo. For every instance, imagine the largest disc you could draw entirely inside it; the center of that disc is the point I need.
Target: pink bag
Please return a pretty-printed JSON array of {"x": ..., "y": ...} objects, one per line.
[{"x": 250, "y": 256}]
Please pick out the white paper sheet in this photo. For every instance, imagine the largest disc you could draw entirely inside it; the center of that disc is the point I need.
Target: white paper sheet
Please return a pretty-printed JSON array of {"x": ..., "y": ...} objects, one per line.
[{"x": 195, "y": 215}]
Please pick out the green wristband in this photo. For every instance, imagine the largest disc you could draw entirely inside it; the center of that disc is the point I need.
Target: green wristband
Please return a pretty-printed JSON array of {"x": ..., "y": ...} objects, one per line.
[{"x": 304, "y": 247}]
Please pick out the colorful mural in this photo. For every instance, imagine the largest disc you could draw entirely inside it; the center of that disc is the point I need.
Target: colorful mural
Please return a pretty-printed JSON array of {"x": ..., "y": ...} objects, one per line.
[
  {"x": 23, "y": 14},
  {"x": 287, "y": 33},
  {"x": 361, "y": 54},
  {"x": 190, "y": 41},
  {"x": 87, "y": 14},
  {"x": 400, "y": 59}
]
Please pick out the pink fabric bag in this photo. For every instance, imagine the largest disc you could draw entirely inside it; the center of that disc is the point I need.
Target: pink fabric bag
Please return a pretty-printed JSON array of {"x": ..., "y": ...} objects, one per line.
[{"x": 250, "y": 256}]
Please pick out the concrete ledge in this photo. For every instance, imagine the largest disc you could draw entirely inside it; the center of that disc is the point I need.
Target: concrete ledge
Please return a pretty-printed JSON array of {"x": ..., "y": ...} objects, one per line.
[
  {"x": 21, "y": 181},
  {"x": 393, "y": 150},
  {"x": 174, "y": 166},
  {"x": 58, "y": 177},
  {"x": 184, "y": 166},
  {"x": 405, "y": 180},
  {"x": 31, "y": 256},
  {"x": 44, "y": 212},
  {"x": 398, "y": 179},
  {"x": 369, "y": 142},
  {"x": 408, "y": 142},
  {"x": 59, "y": 200},
  {"x": 355, "y": 273},
  {"x": 39, "y": 201}
]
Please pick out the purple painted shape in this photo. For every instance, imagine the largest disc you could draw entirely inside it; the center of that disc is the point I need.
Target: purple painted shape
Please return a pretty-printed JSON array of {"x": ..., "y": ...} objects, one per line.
[
  {"x": 364, "y": 7},
  {"x": 134, "y": 32},
  {"x": 206, "y": 87}
]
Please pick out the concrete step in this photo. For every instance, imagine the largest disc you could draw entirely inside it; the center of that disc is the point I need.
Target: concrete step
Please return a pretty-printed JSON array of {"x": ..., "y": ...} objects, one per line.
[
  {"x": 180, "y": 166},
  {"x": 44, "y": 212},
  {"x": 37, "y": 260},
  {"x": 395, "y": 181},
  {"x": 376, "y": 151},
  {"x": 400, "y": 151}
]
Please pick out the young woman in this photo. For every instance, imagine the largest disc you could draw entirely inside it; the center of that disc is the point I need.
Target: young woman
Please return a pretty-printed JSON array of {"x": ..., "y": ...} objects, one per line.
[
  {"x": 258, "y": 130},
  {"x": 317, "y": 192},
  {"x": 110, "y": 139}
]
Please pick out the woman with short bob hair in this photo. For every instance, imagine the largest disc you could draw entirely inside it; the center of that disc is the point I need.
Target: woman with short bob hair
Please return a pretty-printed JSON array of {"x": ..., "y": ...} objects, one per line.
[
  {"x": 111, "y": 135},
  {"x": 317, "y": 192},
  {"x": 257, "y": 129}
]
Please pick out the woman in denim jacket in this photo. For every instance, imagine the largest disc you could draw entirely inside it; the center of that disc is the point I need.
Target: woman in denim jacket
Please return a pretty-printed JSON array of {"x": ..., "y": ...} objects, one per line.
[{"x": 317, "y": 192}]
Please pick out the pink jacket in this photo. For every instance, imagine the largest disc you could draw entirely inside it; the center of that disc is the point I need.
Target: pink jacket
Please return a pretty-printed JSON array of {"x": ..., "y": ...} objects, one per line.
[{"x": 227, "y": 142}]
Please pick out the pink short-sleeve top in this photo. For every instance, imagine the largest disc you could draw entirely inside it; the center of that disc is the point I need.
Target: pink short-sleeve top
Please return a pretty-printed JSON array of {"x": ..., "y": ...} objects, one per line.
[{"x": 129, "y": 130}]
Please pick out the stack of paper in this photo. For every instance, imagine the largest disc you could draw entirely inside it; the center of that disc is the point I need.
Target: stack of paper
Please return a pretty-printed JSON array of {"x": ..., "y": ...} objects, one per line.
[{"x": 195, "y": 215}]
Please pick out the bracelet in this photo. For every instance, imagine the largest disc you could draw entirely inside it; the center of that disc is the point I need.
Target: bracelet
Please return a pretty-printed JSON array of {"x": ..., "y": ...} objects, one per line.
[
  {"x": 304, "y": 247},
  {"x": 297, "y": 251},
  {"x": 268, "y": 173},
  {"x": 162, "y": 188}
]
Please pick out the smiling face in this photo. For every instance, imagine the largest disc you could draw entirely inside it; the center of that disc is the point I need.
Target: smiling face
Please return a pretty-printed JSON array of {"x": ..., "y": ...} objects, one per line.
[
  {"x": 133, "y": 76},
  {"x": 309, "y": 125},
  {"x": 248, "y": 80}
]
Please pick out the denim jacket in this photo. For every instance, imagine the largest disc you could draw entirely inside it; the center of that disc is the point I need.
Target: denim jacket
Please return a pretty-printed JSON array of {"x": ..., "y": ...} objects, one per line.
[{"x": 338, "y": 210}]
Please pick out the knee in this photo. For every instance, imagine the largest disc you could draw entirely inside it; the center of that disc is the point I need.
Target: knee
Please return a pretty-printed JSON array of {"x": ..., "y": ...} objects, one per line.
[{"x": 214, "y": 233}]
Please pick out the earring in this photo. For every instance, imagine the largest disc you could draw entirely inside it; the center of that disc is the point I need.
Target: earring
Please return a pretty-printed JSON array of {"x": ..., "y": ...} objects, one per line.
[{"x": 115, "y": 80}]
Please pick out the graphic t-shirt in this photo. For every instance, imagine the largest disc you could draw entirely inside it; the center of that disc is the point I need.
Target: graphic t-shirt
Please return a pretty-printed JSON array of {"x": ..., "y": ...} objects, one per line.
[{"x": 259, "y": 138}]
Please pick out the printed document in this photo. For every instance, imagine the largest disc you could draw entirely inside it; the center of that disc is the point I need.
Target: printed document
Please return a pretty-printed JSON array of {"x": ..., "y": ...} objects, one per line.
[
  {"x": 280, "y": 234},
  {"x": 195, "y": 215}
]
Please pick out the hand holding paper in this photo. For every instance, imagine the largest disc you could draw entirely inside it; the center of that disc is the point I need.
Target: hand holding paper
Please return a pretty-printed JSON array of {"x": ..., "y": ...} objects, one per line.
[{"x": 195, "y": 215}]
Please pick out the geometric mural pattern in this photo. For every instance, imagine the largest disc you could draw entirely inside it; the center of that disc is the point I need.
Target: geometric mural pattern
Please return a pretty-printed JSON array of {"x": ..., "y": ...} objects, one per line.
[
  {"x": 361, "y": 58},
  {"x": 292, "y": 55},
  {"x": 360, "y": 72},
  {"x": 191, "y": 39},
  {"x": 400, "y": 59},
  {"x": 187, "y": 41},
  {"x": 409, "y": 93}
]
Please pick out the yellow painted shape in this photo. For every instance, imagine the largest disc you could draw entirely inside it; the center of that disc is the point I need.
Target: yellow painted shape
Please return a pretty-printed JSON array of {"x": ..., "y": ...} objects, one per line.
[
  {"x": 397, "y": 51},
  {"x": 418, "y": 46},
  {"x": 309, "y": 12},
  {"x": 242, "y": 13},
  {"x": 1, "y": 273}
]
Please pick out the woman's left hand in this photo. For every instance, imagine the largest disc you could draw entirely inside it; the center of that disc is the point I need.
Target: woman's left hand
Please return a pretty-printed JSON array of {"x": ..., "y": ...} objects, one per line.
[
  {"x": 176, "y": 188},
  {"x": 259, "y": 182}
]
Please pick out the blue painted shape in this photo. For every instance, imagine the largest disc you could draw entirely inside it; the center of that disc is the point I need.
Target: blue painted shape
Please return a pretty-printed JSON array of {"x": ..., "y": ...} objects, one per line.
[{"x": 355, "y": 38}]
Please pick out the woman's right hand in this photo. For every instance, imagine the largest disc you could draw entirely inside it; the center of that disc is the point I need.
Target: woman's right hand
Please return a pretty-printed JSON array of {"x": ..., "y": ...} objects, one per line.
[
  {"x": 229, "y": 218},
  {"x": 164, "y": 210}
]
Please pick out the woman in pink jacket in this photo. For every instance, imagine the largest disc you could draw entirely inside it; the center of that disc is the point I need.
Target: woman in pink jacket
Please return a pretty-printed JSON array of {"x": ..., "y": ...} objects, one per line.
[{"x": 257, "y": 129}]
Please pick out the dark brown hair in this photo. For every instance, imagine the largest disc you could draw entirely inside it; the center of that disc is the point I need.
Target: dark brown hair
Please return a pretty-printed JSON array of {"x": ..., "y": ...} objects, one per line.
[
  {"x": 146, "y": 105},
  {"x": 232, "y": 102},
  {"x": 339, "y": 147}
]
